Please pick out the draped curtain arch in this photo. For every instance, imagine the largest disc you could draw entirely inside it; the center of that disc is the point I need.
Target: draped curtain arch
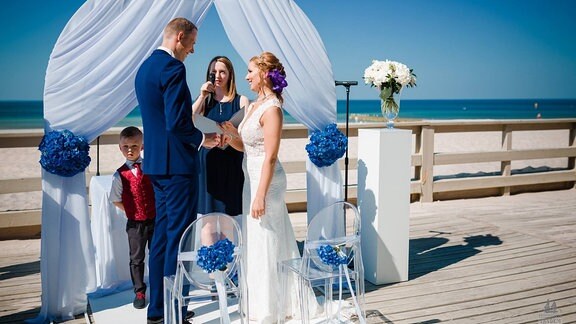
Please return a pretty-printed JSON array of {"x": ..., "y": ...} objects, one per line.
[
  {"x": 282, "y": 28},
  {"x": 89, "y": 87},
  {"x": 90, "y": 76}
]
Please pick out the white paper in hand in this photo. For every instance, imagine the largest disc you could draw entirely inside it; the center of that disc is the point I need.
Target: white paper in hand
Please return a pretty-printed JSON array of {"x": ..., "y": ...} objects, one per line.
[
  {"x": 206, "y": 125},
  {"x": 236, "y": 119}
]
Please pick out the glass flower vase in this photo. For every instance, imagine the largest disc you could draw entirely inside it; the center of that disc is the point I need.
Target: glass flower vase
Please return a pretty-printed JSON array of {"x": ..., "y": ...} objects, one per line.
[{"x": 390, "y": 105}]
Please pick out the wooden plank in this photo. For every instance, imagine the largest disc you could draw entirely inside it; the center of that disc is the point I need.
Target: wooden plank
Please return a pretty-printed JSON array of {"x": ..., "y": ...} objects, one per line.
[
  {"x": 417, "y": 159},
  {"x": 572, "y": 144},
  {"x": 506, "y": 166},
  {"x": 32, "y": 137},
  {"x": 21, "y": 141},
  {"x": 459, "y": 270},
  {"x": 33, "y": 183},
  {"x": 525, "y": 313},
  {"x": 449, "y": 126},
  {"x": 20, "y": 218},
  {"x": 498, "y": 181},
  {"x": 504, "y": 283},
  {"x": 427, "y": 169},
  {"x": 20, "y": 185},
  {"x": 417, "y": 153},
  {"x": 299, "y": 195},
  {"x": 466, "y": 265},
  {"x": 446, "y": 298},
  {"x": 294, "y": 131},
  {"x": 497, "y": 156},
  {"x": 300, "y": 166},
  {"x": 481, "y": 278},
  {"x": 33, "y": 217},
  {"x": 497, "y": 308},
  {"x": 558, "y": 124},
  {"x": 500, "y": 253},
  {"x": 460, "y": 263},
  {"x": 19, "y": 297}
]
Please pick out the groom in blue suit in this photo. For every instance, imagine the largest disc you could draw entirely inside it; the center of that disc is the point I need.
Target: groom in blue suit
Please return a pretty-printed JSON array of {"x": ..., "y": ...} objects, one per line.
[{"x": 172, "y": 144}]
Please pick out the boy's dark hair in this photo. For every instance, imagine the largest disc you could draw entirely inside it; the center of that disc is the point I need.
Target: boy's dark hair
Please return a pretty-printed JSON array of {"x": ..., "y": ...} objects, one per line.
[{"x": 130, "y": 131}]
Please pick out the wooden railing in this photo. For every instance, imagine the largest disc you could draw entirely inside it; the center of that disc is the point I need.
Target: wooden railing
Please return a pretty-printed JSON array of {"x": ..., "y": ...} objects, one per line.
[{"x": 424, "y": 186}]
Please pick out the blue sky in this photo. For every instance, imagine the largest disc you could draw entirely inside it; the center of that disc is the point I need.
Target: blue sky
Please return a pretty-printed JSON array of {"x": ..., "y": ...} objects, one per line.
[{"x": 460, "y": 49}]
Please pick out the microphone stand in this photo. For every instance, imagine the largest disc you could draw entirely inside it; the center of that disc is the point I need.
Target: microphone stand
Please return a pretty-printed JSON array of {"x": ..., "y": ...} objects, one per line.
[
  {"x": 98, "y": 156},
  {"x": 347, "y": 85}
]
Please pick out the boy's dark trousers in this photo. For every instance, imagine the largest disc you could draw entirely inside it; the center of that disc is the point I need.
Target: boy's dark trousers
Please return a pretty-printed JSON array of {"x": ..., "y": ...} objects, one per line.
[{"x": 139, "y": 235}]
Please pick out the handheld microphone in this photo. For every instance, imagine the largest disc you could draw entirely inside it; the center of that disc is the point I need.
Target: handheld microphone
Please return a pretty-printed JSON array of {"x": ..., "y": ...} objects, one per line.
[
  {"x": 211, "y": 78},
  {"x": 345, "y": 83}
]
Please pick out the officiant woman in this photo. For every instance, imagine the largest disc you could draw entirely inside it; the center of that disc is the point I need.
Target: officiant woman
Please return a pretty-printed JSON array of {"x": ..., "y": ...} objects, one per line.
[{"x": 221, "y": 177}]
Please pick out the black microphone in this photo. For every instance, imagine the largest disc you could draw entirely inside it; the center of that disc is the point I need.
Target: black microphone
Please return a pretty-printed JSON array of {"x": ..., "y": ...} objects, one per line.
[
  {"x": 346, "y": 83},
  {"x": 211, "y": 78}
]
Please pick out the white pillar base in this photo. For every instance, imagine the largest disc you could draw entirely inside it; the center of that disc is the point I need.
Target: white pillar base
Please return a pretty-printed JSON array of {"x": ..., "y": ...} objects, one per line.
[{"x": 384, "y": 161}]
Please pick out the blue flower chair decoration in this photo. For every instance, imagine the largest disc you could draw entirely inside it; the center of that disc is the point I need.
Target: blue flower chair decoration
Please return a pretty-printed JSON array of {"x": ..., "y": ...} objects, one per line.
[
  {"x": 209, "y": 267},
  {"x": 332, "y": 258}
]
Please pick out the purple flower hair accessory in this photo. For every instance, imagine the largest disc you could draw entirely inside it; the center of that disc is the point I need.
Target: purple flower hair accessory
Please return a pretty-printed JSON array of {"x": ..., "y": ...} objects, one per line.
[{"x": 278, "y": 81}]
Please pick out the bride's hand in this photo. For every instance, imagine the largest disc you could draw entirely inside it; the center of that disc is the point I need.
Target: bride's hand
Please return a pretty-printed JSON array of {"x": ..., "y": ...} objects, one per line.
[
  {"x": 229, "y": 129},
  {"x": 258, "y": 207}
]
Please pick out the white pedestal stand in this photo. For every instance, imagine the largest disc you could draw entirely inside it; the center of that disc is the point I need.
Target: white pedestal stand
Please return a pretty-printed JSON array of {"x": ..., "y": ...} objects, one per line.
[{"x": 384, "y": 202}]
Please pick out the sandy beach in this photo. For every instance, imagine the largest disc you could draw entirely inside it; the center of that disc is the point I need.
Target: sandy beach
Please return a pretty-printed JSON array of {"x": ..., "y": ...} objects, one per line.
[{"x": 23, "y": 162}]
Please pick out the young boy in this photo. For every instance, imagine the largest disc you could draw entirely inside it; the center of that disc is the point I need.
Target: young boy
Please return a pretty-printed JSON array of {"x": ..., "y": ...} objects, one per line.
[{"x": 132, "y": 192}]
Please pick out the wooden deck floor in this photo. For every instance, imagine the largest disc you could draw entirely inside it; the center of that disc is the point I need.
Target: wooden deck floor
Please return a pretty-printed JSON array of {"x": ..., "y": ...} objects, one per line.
[{"x": 488, "y": 260}]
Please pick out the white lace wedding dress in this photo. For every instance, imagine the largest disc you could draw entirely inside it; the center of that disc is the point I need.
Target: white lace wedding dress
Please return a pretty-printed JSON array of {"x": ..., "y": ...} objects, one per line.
[{"x": 270, "y": 239}]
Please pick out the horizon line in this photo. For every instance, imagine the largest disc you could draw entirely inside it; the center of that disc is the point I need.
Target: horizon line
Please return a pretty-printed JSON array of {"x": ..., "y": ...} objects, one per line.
[{"x": 376, "y": 99}]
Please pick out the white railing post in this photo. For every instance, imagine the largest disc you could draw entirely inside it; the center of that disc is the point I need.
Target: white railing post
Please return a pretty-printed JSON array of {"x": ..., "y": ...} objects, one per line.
[
  {"x": 572, "y": 143},
  {"x": 427, "y": 169},
  {"x": 417, "y": 151},
  {"x": 506, "y": 166}
]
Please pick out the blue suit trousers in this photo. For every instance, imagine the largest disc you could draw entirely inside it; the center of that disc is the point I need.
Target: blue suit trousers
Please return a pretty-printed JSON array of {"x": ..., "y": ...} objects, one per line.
[{"x": 176, "y": 208}]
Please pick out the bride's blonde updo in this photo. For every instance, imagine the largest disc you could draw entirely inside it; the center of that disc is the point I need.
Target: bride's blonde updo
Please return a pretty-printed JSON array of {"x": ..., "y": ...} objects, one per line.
[{"x": 272, "y": 72}]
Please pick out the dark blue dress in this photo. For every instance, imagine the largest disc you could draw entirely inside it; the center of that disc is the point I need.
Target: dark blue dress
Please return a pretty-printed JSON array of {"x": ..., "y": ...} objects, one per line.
[{"x": 221, "y": 177}]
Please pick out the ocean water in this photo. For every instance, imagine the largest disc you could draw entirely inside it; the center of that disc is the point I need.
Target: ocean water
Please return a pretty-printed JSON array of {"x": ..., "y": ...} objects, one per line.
[{"x": 28, "y": 114}]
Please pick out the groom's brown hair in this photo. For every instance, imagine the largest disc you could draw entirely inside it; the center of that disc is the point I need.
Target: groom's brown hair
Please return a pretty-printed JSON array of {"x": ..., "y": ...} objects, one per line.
[{"x": 180, "y": 25}]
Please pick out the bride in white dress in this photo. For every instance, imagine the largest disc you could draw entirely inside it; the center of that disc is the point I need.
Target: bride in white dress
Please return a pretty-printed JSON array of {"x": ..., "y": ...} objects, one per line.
[{"x": 268, "y": 231}]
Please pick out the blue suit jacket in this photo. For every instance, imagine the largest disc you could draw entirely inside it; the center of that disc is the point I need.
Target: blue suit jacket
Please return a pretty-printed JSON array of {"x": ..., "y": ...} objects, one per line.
[{"x": 171, "y": 140}]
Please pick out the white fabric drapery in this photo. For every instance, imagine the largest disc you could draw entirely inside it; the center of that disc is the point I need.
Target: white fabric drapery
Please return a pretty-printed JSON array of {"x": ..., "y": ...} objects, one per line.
[
  {"x": 90, "y": 77},
  {"x": 281, "y": 27},
  {"x": 108, "y": 225},
  {"x": 89, "y": 87},
  {"x": 66, "y": 252}
]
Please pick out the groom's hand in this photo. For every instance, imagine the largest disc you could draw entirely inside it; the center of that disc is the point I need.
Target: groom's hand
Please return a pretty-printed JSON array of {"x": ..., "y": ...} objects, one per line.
[
  {"x": 211, "y": 140},
  {"x": 225, "y": 139}
]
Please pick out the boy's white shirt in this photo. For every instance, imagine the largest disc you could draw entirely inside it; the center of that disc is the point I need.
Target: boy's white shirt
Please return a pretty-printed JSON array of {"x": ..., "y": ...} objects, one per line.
[{"x": 116, "y": 189}]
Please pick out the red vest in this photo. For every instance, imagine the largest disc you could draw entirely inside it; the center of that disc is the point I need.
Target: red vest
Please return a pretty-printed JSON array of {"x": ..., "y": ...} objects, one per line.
[{"x": 137, "y": 195}]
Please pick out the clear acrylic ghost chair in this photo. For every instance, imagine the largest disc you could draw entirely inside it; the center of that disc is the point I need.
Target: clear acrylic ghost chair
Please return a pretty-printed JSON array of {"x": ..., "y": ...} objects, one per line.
[
  {"x": 197, "y": 280},
  {"x": 335, "y": 231}
]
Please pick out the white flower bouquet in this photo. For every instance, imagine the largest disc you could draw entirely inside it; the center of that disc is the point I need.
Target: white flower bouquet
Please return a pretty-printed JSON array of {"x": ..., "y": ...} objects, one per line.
[
  {"x": 389, "y": 74},
  {"x": 389, "y": 77}
]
